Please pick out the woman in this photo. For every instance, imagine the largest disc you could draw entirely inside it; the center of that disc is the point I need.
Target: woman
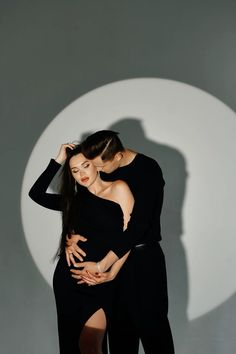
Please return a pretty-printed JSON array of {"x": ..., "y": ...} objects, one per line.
[{"x": 100, "y": 210}]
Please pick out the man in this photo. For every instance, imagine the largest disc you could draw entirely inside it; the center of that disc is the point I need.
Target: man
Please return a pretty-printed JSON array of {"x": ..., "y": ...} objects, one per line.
[{"x": 141, "y": 303}]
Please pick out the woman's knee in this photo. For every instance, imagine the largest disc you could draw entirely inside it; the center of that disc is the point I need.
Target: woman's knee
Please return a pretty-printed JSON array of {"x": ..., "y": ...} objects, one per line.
[
  {"x": 92, "y": 334},
  {"x": 91, "y": 340}
]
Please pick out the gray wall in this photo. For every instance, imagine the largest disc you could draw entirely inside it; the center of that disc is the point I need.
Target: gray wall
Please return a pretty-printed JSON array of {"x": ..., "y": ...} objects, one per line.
[{"x": 51, "y": 53}]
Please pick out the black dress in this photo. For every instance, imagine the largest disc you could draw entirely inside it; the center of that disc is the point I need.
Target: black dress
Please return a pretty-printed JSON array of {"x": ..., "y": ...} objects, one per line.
[{"x": 101, "y": 222}]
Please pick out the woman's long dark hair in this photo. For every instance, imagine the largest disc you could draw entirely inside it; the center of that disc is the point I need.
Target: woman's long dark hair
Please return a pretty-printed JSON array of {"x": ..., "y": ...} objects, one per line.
[{"x": 67, "y": 191}]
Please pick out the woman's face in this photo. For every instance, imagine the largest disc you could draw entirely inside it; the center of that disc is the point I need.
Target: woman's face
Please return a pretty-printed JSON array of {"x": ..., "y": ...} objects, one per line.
[{"x": 83, "y": 171}]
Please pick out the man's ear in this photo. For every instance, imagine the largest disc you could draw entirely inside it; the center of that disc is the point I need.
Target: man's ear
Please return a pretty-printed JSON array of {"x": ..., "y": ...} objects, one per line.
[{"x": 118, "y": 156}]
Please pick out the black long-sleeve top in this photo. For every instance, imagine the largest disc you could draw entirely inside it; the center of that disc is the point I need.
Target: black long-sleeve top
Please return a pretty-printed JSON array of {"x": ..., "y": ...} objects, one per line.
[
  {"x": 38, "y": 192},
  {"x": 98, "y": 219},
  {"x": 144, "y": 177}
]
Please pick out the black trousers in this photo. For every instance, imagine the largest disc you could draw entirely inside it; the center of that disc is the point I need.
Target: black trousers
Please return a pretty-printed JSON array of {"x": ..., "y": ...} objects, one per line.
[{"x": 141, "y": 305}]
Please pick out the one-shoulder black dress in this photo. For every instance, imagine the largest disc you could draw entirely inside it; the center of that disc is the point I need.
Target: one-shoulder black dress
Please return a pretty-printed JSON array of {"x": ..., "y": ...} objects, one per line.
[{"x": 101, "y": 222}]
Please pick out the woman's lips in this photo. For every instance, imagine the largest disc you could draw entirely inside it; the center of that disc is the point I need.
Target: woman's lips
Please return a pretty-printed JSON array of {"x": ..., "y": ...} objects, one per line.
[{"x": 84, "y": 179}]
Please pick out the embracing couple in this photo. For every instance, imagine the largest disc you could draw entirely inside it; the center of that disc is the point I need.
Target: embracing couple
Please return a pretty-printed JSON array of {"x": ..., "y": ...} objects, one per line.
[{"x": 111, "y": 274}]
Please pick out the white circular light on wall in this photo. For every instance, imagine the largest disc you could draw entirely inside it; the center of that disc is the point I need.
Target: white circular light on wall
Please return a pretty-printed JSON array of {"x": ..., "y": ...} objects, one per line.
[{"x": 182, "y": 118}]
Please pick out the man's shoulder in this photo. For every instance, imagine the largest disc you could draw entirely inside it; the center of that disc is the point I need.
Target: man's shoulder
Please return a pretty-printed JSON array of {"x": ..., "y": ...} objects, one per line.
[
  {"x": 150, "y": 167},
  {"x": 147, "y": 160}
]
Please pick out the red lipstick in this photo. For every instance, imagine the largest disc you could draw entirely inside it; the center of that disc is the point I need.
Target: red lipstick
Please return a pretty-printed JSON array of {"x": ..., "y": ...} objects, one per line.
[{"x": 84, "y": 179}]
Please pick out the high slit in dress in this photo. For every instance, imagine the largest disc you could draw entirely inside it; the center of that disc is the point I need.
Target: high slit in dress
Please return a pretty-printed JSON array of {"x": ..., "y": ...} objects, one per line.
[{"x": 101, "y": 222}]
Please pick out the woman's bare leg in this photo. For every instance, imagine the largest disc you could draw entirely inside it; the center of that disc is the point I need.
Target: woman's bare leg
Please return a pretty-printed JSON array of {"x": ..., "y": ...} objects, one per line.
[{"x": 91, "y": 337}]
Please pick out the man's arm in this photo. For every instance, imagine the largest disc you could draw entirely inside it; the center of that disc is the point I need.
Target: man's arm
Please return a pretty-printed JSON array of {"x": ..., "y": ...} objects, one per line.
[{"x": 146, "y": 211}]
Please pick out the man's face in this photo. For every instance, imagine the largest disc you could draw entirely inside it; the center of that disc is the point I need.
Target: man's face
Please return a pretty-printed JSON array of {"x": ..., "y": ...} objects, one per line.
[{"x": 107, "y": 166}]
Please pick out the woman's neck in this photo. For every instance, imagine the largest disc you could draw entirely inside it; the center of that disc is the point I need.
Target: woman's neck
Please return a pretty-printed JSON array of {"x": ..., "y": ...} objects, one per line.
[{"x": 98, "y": 186}]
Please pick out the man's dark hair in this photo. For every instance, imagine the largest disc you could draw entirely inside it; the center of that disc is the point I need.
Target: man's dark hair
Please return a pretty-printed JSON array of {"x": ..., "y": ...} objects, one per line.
[{"x": 104, "y": 143}]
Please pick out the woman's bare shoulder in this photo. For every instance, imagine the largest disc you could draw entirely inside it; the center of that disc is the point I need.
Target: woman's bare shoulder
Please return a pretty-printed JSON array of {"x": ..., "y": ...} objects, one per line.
[
  {"x": 119, "y": 185},
  {"x": 121, "y": 191}
]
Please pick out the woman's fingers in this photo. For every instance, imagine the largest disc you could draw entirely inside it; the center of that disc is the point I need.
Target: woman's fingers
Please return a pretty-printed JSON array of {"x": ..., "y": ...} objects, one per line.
[
  {"x": 73, "y": 246},
  {"x": 89, "y": 281},
  {"x": 62, "y": 155},
  {"x": 74, "y": 238},
  {"x": 72, "y": 258},
  {"x": 78, "y": 250},
  {"x": 68, "y": 258},
  {"x": 71, "y": 145},
  {"x": 71, "y": 253},
  {"x": 95, "y": 278},
  {"x": 77, "y": 255},
  {"x": 76, "y": 273}
]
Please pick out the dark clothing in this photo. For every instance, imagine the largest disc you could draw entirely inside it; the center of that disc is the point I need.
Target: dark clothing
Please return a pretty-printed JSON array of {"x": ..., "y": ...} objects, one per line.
[
  {"x": 144, "y": 178},
  {"x": 101, "y": 221},
  {"x": 141, "y": 300},
  {"x": 38, "y": 192}
]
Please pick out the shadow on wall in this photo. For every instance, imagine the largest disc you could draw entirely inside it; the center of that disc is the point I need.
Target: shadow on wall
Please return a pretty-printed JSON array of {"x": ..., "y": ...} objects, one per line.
[
  {"x": 212, "y": 332},
  {"x": 173, "y": 166}
]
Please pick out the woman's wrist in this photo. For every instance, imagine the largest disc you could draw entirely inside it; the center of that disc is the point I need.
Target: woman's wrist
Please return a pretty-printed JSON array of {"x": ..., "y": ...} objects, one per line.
[
  {"x": 98, "y": 264},
  {"x": 59, "y": 160},
  {"x": 101, "y": 266},
  {"x": 108, "y": 261}
]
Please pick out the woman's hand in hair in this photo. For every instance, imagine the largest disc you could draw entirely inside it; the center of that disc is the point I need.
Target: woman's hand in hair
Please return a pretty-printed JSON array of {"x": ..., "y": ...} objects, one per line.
[
  {"x": 72, "y": 249},
  {"x": 62, "y": 155}
]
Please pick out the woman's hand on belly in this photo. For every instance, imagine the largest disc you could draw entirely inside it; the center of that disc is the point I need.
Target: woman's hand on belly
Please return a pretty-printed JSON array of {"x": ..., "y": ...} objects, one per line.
[
  {"x": 72, "y": 249},
  {"x": 85, "y": 267},
  {"x": 96, "y": 279}
]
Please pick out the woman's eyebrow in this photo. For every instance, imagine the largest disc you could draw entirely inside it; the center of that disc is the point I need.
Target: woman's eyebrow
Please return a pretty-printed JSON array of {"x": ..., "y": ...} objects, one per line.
[
  {"x": 81, "y": 164},
  {"x": 84, "y": 162}
]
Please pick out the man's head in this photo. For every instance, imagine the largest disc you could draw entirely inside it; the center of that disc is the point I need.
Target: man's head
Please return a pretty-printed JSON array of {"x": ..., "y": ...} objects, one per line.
[{"x": 105, "y": 149}]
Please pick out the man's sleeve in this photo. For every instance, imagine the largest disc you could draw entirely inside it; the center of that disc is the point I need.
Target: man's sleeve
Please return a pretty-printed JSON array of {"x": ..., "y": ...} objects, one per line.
[{"x": 147, "y": 207}]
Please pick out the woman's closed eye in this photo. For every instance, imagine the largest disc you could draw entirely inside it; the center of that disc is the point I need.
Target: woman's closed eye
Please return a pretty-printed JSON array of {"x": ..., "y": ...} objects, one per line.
[{"x": 75, "y": 170}]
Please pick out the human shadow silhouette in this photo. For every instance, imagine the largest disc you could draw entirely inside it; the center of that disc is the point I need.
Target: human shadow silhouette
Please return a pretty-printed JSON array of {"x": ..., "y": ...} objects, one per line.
[{"x": 173, "y": 166}]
